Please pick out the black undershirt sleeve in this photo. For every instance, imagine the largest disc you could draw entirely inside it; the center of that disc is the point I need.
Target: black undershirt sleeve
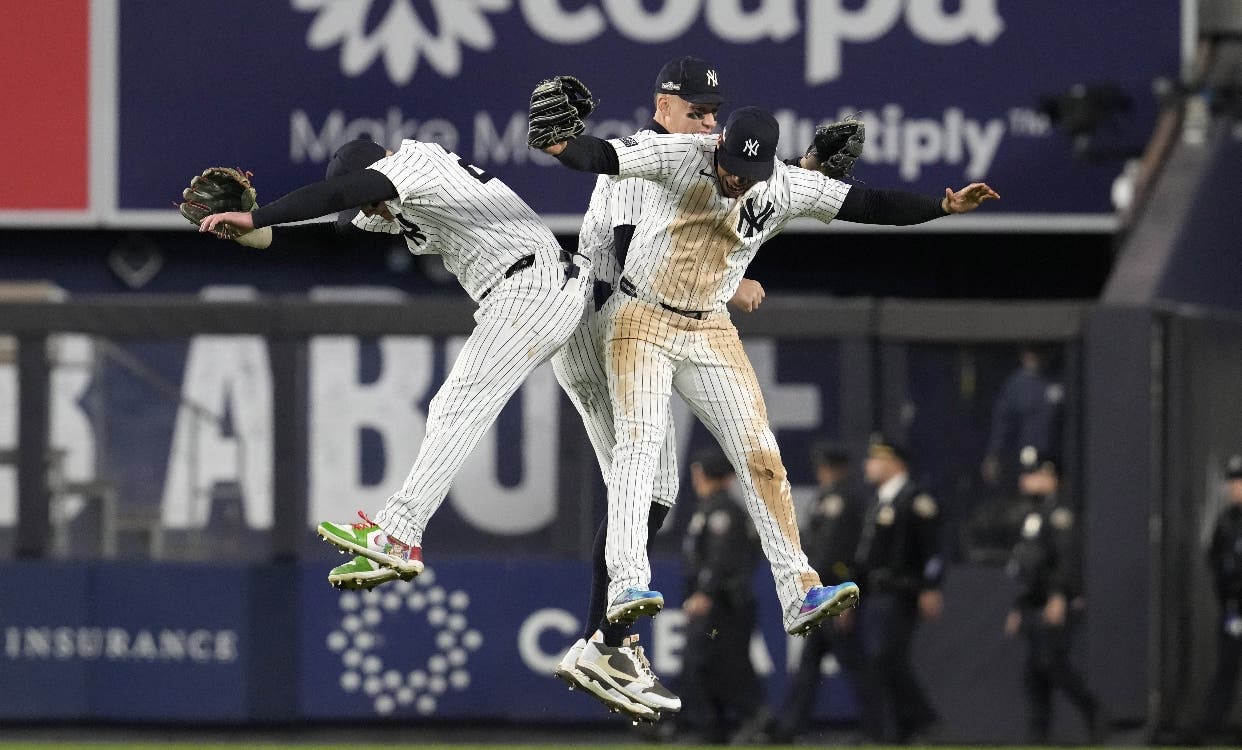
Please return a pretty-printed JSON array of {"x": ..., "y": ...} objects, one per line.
[
  {"x": 326, "y": 197},
  {"x": 330, "y": 237},
  {"x": 586, "y": 153},
  {"x": 892, "y": 207}
]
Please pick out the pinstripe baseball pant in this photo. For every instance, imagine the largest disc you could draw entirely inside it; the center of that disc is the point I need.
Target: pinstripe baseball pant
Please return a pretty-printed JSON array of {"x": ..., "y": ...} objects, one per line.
[
  {"x": 579, "y": 368},
  {"x": 652, "y": 351},
  {"x": 521, "y": 322}
]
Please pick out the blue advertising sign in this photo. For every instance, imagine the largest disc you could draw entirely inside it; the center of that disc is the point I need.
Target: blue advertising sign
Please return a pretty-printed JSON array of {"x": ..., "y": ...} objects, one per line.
[
  {"x": 480, "y": 638},
  {"x": 469, "y": 638},
  {"x": 951, "y": 93},
  {"x": 126, "y": 642}
]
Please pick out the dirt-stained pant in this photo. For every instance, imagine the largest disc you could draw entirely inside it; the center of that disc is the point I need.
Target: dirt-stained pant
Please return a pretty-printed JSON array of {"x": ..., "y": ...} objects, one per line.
[{"x": 651, "y": 352}]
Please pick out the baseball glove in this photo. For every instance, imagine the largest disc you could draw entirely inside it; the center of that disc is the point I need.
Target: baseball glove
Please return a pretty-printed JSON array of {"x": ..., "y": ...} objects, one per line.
[
  {"x": 216, "y": 190},
  {"x": 838, "y": 146},
  {"x": 558, "y": 107}
]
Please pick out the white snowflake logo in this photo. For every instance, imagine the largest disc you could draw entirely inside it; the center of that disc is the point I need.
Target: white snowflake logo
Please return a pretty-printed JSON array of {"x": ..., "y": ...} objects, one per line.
[
  {"x": 400, "y": 36},
  {"x": 356, "y": 640}
]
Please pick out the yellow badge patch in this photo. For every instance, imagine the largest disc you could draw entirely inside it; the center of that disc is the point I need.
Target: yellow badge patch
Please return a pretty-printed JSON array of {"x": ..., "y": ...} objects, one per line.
[
  {"x": 1061, "y": 518},
  {"x": 886, "y": 515},
  {"x": 925, "y": 506},
  {"x": 832, "y": 505}
]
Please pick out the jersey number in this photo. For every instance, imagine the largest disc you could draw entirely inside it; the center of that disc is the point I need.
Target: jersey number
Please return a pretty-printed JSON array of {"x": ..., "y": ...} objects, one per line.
[{"x": 479, "y": 174}]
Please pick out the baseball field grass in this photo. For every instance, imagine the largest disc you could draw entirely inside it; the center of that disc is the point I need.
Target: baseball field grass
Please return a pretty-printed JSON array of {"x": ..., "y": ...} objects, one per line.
[{"x": 156, "y": 745}]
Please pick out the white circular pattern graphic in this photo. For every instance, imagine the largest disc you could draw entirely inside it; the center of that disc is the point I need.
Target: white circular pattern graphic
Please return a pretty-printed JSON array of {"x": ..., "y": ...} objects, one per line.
[{"x": 357, "y": 640}]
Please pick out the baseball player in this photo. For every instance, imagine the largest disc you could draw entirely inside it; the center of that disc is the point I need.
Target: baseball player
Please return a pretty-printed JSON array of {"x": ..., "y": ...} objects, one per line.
[
  {"x": 505, "y": 258},
  {"x": 712, "y": 202},
  {"x": 687, "y": 100}
]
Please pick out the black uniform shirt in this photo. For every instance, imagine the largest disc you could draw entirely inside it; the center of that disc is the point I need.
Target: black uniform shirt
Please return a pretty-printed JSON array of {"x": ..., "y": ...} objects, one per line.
[
  {"x": 1225, "y": 557},
  {"x": 1045, "y": 559},
  {"x": 833, "y": 529},
  {"x": 900, "y": 546},
  {"x": 720, "y": 552}
]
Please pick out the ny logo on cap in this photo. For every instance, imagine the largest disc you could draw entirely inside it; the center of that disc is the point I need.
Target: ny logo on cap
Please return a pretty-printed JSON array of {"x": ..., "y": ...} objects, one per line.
[
  {"x": 751, "y": 147},
  {"x": 711, "y": 78}
]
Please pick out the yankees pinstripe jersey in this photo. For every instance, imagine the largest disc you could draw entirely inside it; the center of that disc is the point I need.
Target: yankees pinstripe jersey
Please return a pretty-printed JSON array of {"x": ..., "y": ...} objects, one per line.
[
  {"x": 614, "y": 202},
  {"x": 445, "y": 205},
  {"x": 692, "y": 245}
]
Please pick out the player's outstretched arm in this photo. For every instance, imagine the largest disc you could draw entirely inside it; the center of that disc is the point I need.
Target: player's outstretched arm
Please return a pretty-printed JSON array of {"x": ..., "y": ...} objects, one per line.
[
  {"x": 968, "y": 198},
  {"x": 902, "y": 208}
]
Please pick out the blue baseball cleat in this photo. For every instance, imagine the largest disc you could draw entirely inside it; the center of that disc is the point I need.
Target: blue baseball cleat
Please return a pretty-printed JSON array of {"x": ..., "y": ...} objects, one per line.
[
  {"x": 822, "y": 602},
  {"x": 634, "y": 603}
]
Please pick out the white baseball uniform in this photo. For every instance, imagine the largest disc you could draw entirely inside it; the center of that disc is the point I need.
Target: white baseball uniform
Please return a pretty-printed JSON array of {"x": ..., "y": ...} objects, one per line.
[
  {"x": 510, "y": 263},
  {"x": 579, "y": 365},
  {"x": 670, "y": 330}
]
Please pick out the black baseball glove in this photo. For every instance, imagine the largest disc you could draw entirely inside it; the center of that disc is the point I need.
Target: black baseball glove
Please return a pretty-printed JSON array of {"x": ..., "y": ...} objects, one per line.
[
  {"x": 837, "y": 146},
  {"x": 558, "y": 107},
  {"x": 216, "y": 190}
]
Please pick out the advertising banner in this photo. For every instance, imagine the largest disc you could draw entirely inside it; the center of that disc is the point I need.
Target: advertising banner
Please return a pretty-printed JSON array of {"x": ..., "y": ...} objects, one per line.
[
  {"x": 951, "y": 92},
  {"x": 125, "y": 642},
  {"x": 469, "y": 638},
  {"x": 45, "y": 128},
  {"x": 480, "y": 638}
]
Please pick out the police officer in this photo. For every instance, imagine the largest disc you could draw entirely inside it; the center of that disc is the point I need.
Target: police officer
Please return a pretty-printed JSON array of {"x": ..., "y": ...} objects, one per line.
[
  {"x": 830, "y": 540},
  {"x": 1225, "y": 562},
  {"x": 1046, "y": 563},
  {"x": 721, "y": 694},
  {"x": 899, "y": 557}
]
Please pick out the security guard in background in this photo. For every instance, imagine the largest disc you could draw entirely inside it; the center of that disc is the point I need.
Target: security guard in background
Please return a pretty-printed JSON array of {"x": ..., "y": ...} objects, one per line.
[
  {"x": 722, "y": 698},
  {"x": 1046, "y": 563},
  {"x": 830, "y": 539},
  {"x": 1225, "y": 562},
  {"x": 899, "y": 557}
]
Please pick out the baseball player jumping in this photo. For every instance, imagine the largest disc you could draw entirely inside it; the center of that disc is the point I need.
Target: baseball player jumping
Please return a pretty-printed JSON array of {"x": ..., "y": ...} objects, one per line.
[
  {"x": 507, "y": 260},
  {"x": 712, "y": 202},
  {"x": 687, "y": 100}
]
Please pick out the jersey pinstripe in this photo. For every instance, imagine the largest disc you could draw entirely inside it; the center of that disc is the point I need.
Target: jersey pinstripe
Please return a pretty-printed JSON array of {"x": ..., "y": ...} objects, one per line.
[
  {"x": 694, "y": 250},
  {"x": 445, "y": 205}
]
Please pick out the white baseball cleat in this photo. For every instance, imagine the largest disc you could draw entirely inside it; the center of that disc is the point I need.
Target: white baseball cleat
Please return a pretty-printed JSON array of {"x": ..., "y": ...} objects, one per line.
[
  {"x": 625, "y": 669},
  {"x": 568, "y": 671}
]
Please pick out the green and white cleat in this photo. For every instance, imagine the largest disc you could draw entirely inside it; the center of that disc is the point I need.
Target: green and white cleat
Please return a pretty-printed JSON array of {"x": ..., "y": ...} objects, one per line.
[
  {"x": 371, "y": 542},
  {"x": 362, "y": 574}
]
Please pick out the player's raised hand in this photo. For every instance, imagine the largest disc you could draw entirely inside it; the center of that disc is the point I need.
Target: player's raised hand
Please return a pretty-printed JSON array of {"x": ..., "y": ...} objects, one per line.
[
  {"x": 968, "y": 198},
  {"x": 558, "y": 107}
]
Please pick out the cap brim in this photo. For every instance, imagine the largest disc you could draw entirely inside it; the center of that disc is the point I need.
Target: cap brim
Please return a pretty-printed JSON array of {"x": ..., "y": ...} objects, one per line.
[
  {"x": 736, "y": 165},
  {"x": 708, "y": 98},
  {"x": 347, "y": 216}
]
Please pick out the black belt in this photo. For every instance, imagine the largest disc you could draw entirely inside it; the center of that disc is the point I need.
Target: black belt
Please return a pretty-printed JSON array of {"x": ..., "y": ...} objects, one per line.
[
  {"x": 627, "y": 287},
  {"x": 521, "y": 264}
]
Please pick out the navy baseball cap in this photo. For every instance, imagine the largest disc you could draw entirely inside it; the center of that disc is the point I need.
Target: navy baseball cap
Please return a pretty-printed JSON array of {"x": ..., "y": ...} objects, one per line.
[
  {"x": 749, "y": 147},
  {"x": 354, "y": 156},
  {"x": 882, "y": 447},
  {"x": 692, "y": 79}
]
